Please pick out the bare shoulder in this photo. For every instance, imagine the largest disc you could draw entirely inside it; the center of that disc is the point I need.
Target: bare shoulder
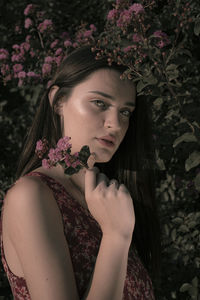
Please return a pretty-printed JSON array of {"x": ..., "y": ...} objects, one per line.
[{"x": 29, "y": 201}]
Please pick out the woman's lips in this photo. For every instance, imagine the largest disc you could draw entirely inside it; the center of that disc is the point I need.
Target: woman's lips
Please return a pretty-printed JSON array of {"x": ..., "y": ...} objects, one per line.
[{"x": 106, "y": 143}]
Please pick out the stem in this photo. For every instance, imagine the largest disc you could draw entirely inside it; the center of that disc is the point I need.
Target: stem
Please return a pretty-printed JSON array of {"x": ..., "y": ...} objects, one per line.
[{"x": 40, "y": 38}]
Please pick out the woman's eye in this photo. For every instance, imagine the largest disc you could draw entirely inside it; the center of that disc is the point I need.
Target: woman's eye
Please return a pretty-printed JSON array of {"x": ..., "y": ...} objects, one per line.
[
  {"x": 100, "y": 103},
  {"x": 127, "y": 113}
]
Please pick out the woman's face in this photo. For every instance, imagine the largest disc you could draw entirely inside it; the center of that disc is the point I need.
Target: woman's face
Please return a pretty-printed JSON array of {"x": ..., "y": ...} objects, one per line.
[{"x": 98, "y": 110}]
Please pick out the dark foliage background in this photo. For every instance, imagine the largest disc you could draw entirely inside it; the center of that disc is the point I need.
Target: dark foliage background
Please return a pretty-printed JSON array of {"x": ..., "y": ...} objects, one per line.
[{"x": 178, "y": 183}]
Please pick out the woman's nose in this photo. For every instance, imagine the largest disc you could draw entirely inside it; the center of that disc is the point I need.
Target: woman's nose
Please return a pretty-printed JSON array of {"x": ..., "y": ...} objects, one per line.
[{"x": 112, "y": 120}]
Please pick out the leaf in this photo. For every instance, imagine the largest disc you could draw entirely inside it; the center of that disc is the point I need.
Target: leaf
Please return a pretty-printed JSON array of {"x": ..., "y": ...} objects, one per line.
[
  {"x": 84, "y": 154},
  {"x": 197, "y": 182},
  {"x": 192, "y": 161},
  {"x": 186, "y": 137},
  {"x": 173, "y": 234},
  {"x": 195, "y": 282},
  {"x": 185, "y": 287},
  {"x": 197, "y": 28}
]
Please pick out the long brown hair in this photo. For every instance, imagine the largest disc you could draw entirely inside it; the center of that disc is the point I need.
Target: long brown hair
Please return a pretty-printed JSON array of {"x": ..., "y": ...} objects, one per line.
[{"x": 132, "y": 162}]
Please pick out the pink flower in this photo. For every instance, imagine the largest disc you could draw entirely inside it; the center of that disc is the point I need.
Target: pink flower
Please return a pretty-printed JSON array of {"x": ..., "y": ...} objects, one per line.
[
  {"x": 58, "y": 60},
  {"x": 67, "y": 43},
  {"x": 29, "y": 9},
  {"x": 46, "y": 69},
  {"x": 28, "y": 23},
  {"x": 54, "y": 43},
  {"x": 75, "y": 44},
  {"x": 87, "y": 33},
  {"x": 63, "y": 143},
  {"x": 16, "y": 47},
  {"x": 48, "y": 59},
  {"x": 41, "y": 147},
  {"x": 112, "y": 14},
  {"x": 25, "y": 46},
  {"x": 92, "y": 27},
  {"x": 17, "y": 68},
  {"x": 3, "y": 54},
  {"x": 5, "y": 69},
  {"x": 22, "y": 74},
  {"x": 17, "y": 57},
  {"x": 28, "y": 37},
  {"x": 136, "y": 38},
  {"x": 46, "y": 163},
  {"x": 32, "y": 74},
  {"x": 46, "y": 24},
  {"x": 58, "y": 51},
  {"x": 32, "y": 53},
  {"x": 137, "y": 8},
  {"x": 164, "y": 40},
  {"x": 55, "y": 155},
  {"x": 127, "y": 49},
  {"x": 124, "y": 18},
  {"x": 71, "y": 161},
  {"x": 160, "y": 34}
]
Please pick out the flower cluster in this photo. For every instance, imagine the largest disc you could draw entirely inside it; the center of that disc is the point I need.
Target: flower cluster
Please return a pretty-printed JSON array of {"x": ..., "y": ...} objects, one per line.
[
  {"x": 36, "y": 58},
  {"x": 71, "y": 163}
]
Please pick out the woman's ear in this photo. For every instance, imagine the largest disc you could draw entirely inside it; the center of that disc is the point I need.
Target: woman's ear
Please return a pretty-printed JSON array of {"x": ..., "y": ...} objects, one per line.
[{"x": 51, "y": 95}]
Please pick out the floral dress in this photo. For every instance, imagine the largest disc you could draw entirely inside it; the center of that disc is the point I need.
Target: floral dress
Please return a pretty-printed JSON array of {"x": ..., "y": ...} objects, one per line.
[{"x": 83, "y": 235}]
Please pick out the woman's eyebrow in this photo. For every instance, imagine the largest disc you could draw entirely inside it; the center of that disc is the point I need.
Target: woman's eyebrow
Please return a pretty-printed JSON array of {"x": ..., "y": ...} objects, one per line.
[{"x": 110, "y": 97}]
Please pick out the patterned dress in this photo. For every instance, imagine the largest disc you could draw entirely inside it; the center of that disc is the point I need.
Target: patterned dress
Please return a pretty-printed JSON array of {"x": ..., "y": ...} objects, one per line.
[{"x": 83, "y": 235}]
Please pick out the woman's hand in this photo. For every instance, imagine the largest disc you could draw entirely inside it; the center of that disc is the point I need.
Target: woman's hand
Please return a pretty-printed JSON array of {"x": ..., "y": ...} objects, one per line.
[{"x": 110, "y": 204}]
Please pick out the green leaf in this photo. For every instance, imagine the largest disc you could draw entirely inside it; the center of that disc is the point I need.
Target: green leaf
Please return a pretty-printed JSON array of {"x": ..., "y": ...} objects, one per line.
[
  {"x": 197, "y": 28},
  {"x": 192, "y": 161},
  {"x": 185, "y": 287},
  {"x": 186, "y": 137},
  {"x": 197, "y": 182},
  {"x": 84, "y": 154}
]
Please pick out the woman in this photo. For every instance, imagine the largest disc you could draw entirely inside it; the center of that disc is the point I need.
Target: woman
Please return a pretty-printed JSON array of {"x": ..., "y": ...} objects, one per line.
[{"x": 92, "y": 235}]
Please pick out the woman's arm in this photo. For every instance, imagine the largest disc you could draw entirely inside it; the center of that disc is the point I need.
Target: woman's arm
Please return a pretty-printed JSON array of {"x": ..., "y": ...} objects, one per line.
[{"x": 107, "y": 281}]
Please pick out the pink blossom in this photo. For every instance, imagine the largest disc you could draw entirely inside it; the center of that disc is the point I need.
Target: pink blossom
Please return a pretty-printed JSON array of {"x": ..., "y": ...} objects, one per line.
[
  {"x": 5, "y": 69},
  {"x": 55, "y": 155},
  {"x": 67, "y": 43},
  {"x": 54, "y": 43},
  {"x": 22, "y": 74},
  {"x": 75, "y": 44},
  {"x": 71, "y": 161},
  {"x": 136, "y": 38},
  {"x": 25, "y": 46},
  {"x": 58, "y": 51},
  {"x": 137, "y": 8},
  {"x": 17, "y": 57},
  {"x": 63, "y": 143},
  {"x": 17, "y": 68},
  {"x": 28, "y": 37},
  {"x": 46, "y": 24},
  {"x": 127, "y": 49},
  {"x": 29, "y": 9},
  {"x": 17, "y": 29},
  {"x": 32, "y": 74},
  {"x": 112, "y": 14},
  {"x": 3, "y": 54},
  {"x": 160, "y": 34},
  {"x": 46, "y": 69},
  {"x": 7, "y": 78},
  {"x": 124, "y": 18},
  {"x": 87, "y": 33},
  {"x": 46, "y": 163},
  {"x": 48, "y": 59},
  {"x": 32, "y": 53},
  {"x": 20, "y": 82},
  {"x": 92, "y": 27},
  {"x": 65, "y": 35},
  {"x": 41, "y": 147},
  {"x": 16, "y": 47},
  {"x": 28, "y": 23},
  {"x": 58, "y": 60}
]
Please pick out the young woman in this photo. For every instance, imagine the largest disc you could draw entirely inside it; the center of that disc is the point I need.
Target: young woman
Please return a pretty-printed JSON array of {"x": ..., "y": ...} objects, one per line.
[{"x": 95, "y": 234}]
